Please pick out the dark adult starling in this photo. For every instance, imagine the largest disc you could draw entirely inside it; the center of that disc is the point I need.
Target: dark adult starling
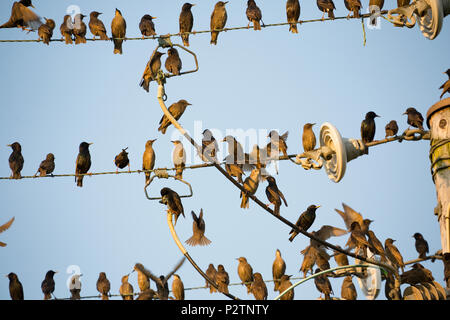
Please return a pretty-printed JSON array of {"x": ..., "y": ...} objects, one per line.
[
  {"x": 177, "y": 287},
  {"x": 147, "y": 26},
  {"x": 75, "y": 287},
  {"x": 173, "y": 62},
  {"x": 245, "y": 272},
  {"x": 309, "y": 259},
  {"x": 355, "y": 6},
  {"x": 179, "y": 158},
  {"x": 151, "y": 70},
  {"x": 285, "y": 284},
  {"x": 293, "y": 14},
  {"x": 348, "y": 289},
  {"x": 323, "y": 285},
  {"x": 251, "y": 184},
  {"x": 143, "y": 280},
  {"x": 391, "y": 129},
  {"x": 118, "y": 31},
  {"x": 15, "y": 287},
  {"x": 48, "y": 285},
  {"x": 418, "y": 274},
  {"x": 198, "y": 227},
  {"x": 375, "y": 245},
  {"x": 308, "y": 137},
  {"x": 47, "y": 166},
  {"x": 210, "y": 147},
  {"x": 368, "y": 127},
  {"x": 66, "y": 29},
  {"x": 340, "y": 258},
  {"x": 401, "y": 3},
  {"x": 305, "y": 220},
  {"x": 186, "y": 22},
  {"x": 253, "y": 14},
  {"x": 79, "y": 29},
  {"x": 326, "y": 6},
  {"x": 421, "y": 245},
  {"x": 277, "y": 144},
  {"x": 148, "y": 159},
  {"x": 357, "y": 238},
  {"x": 211, "y": 273},
  {"x": 96, "y": 26},
  {"x": 274, "y": 195},
  {"x": 126, "y": 289},
  {"x": 349, "y": 215},
  {"x": 176, "y": 110},
  {"x": 222, "y": 279},
  {"x": 45, "y": 31},
  {"x": 103, "y": 285},
  {"x": 393, "y": 254},
  {"x": 5, "y": 227},
  {"x": 446, "y": 86},
  {"x": 258, "y": 287},
  {"x": 83, "y": 163},
  {"x": 278, "y": 270},
  {"x": 173, "y": 202},
  {"x": 415, "y": 118},
  {"x": 22, "y": 16},
  {"x": 121, "y": 160},
  {"x": 218, "y": 20},
  {"x": 16, "y": 160}
]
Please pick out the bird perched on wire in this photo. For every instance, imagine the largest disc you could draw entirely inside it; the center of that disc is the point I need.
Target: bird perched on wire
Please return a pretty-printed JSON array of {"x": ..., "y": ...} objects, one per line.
[
  {"x": 375, "y": 245},
  {"x": 258, "y": 287},
  {"x": 446, "y": 86},
  {"x": 415, "y": 118},
  {"x": 75, "y": 287},
  {"x": 173, "y": 62},
  {"x": 308, "y": 137},
  {"x": 126, "y": 289},
  {"x": 5, "y": 227},
  {"x": 274, "y": 195},
  {"x": 45, "y": 31},
  {"x": 235, "y": 160},
  {"x": 48, "y": 284},
  {"x": 391, "y": 129},
  {"x": 285, "y": 283},
  {"x": 177, "y": 287},
  {"x": 278, "y": 270},
  {"x": 251, "y": 184},
  {"x": 368, "y": 127},
  {"x": 322, "y": 258},
  {"x": 148, "y": 159},
  {"x": 66, "y": 29},
  {"x": 218, "y": 20},
  {"x": 309, "y": 260},
  {"x": 15, "y": 287},
  {"x": 277, "y": 144},
  {"x": 186, "y": 22},
  {"x": 198, "y": 228},
  {"x": 245, "y": 272},
  {"x": 147, "y": 26},
  {"x": 96, "y": 26},
  {"x": 151, "y": 70},
  {"x": 23, "y": 17},
  {"x": 418, "y": 274},
  {"x": 355, "y": 6},
  {"x": 324, "y": 233},
  {"x": 421, "y": 245},
  {"x": 326, "y": 6},
  {"x": 323, "y": 285},
  {"x": 16, "y": 160},
  {"x": 118, "y": 31},
  {"x": 293, "y": 14},
  {"x": 179, "y": 159},
  {"x": 143, "y": 280},
  {"x": 222, "y": 279},
  {"x": 103, "y": 285},
  {"x": 357, "y": 238},
  {"x": 305, "y": 220},
  {"x": 210, "y": 147},
  {"x": 79, "y": 29},
  {"x": 122, "y": 160},
  {"x": 211, "y": 273},
  {"x": 173, "y": 202},
  {"x": 348, "y": 289},
  {"x": 340, "y": 258},
  {"x": 83, "y": 163},
  {"x": 234, "y": 169},
  {"x": 254, "y": 15},
  {"x": 176, "y": 110},
  {"x": 393, "y": 254},
  {"x": 47, "y": 165}
]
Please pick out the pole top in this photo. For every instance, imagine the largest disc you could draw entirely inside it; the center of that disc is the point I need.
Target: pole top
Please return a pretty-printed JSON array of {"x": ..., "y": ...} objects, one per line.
[{"x": 442, "y": 104}]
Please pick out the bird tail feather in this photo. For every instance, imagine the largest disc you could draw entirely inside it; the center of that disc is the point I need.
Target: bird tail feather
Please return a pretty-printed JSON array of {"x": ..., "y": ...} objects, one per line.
[{"x": 256, "y": 25}]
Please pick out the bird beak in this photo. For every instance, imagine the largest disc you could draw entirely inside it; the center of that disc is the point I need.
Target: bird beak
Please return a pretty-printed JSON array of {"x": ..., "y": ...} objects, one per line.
[
  {"x": 8, "y": 145},
  {"x": 225, "y": 2},
  {"x": 317, "y": 207},
  {"x": 154, "y": 18},
  {"x": 405, "y": 113},
  {"x": 90, "y": 143},
  {"x": 313, "y": 124},
  {"x": 32, "y": 6}
]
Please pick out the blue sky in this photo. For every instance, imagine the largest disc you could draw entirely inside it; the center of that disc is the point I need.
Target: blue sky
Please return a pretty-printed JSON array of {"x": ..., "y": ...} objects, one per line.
[{"x": 54, "y": 97}]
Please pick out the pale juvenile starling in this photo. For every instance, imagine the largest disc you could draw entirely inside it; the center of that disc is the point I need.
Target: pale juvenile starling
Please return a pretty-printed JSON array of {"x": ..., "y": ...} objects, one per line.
[
  {"x": 177, "y": 287},
  {"x": 418, "y": 274},
  {"x": 368, "y": 127},
  {"x": 148, "y": 159},
  {"x": 235, "y": 151},
  {"x": 143, "y": 280},
  {"x": 324, "y": 233},
  {"x": 173, "y": 62},
  {"x": 274, "y": 195},
  {"x": 96, "y": 26},
  {"x": 173, "y": 202},
  {"x": 305, "y": 220},
  {"x": 393, "y": 254},
  {"x": 285, "y": 284},
  {"x": 349, "y": 215},
  {"x": 308, "y": 137},
  {"x": 176, "y": 110},
  {"x": 421, "y": 245},
  {"x": 66, "y": 29},
  {"x": 340, "y": 258},
  {"x": 353, "y": 6},
  {"x": 326, "y": 6},
  {"x": 245, "y": 272},
  {"x": 126, "y": 289},
  {"x": 148, "y": 294},
  {"x": 186, "y": 22},
  {"x": 5, "y": 227},
  {"x": 322, "y": 258},
  {"x": 357, "y": 238},
  {"x": 75, "y": 287},
  {"x": 415, "y": 118},
  {"x": 251, "y": 184},
  {"x": 210, "y": 147},
  {"x": 401, "y": 3},
  {"x": 118, "y": 31},
  {"x": 278, "y": 269},
  {"x": 47, "y": 166},
  {"x": 15, "y": 287},
  {"x": 79, "y": 29},
  {"x": 103, "y": 285},
  {"x": 323, "y": 285},
  {"x": 293, "y": 14},
  {"x": 218, "y": 20},
  {"x": 16, "y": 160},
  {"x": 45, "y": 31},
  {"x": 179, "y": 159},
  {"x": 446, "y": 86},
  {"x": 348, "y": 289},
  {"x": 83, "y": 163},
  {"x": 375, "y": 245},
  {"x": 234, "y": 169},
  {"x": 222, "y": 279},
  {"x": 198, "y": 227},
  {"x": 22, "y": 16},
  {"x": 309, "y": 260},
  {"x": 258, "y": 287},
  {"x": 277, "y": 144},
  {"x": 211, "y": 273},
  {"x": 48, "y": 285},
  {"x": 147, "y": 26},
  {"x": 391, "y": 129},
  {"x": 253, "y": 14},
  {"x": 122, "y": 160},
  {"x": 151, "y": 70}
]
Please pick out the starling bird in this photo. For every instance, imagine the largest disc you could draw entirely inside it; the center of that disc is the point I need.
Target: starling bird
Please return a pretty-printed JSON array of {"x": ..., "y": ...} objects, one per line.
[
  {"x": 66, "y": 29},
  {"x": 418, "y": 274},
  {"x": 349, "y": 215},
  {"x": 148, "y": 294},
  {"x": 147, "y": 26},
  {"x": 103, "y": 286},
  {"x": 391, "y": 129},
  {"x": 75, "y": 287},
  {"x": 177, "y": 287},
  {"x": 209, "y": 148},
  {"x": 173, "y": 62},
  {"x": 22, "y": 16},
  {"x": 83, "y": 163},
  {"x": 393, "y": 254},
  {"x": 254, "y": 14},
  {"x": 390, "y": 291},
  {"x": 340, "y": 258},
  {"x": 308, "y": 137},
  {"x": 278, "y": 270},
  {"x": 79, "y": 29},
  {"x": 326, "y": 6},
  {"x": 5, "y": 227},
  {"x": 258, "y": 287},
  {"x": 401, "y": 3},
  {"x": 15, "y": 287},
  {"x": 324, "y": 233},
  {"x": 277, "y": 144},
  {"x": 96, "y": 26},
  {"x": 233, "y": 169},
  {"x": 293, "y": 14},
  {"x": 176, "y": 110},
  {"x": 421, "y": 245},
  {"x": 186, "y": 22},
  {"x": 218, "y": 20},
  {"x": 235, "y": 150},
  {"x": 47, "y": 166},
  {"x": 368, "y": 127},
  {"x": 357, "y": 238},
  {"x": 143, "y": 280},
  {"x": 274, "y": 195},
  {"x": 251, "y": 184},
  {"x": 415, "y": 119},
  {"x": 121, "y": 160},
  {"x": 285, "y": 284},
  {"x": 151, "y": 70},
  {"x": 173, "y": 202},
  {"x": 45, "y": 31},
  {"x": 375, "y": 245},
  {"x": 378, "y": 3},
  {"x": 446, "y": 86},
  {"x": 198, "y": 228},
  {"x": 126, "y": 289},
  {"x": 16, "y": 160},
  {"x": 305, "y": 220},
  {"x": 323, "y": 285},
  {"x": 355, "y": 6},
  {"x": 222, "y": 279},
  {"x": 211, "y": 272},
  {"x": 375, "y": 6},
  {"x": 148, "y": 159},
  {"x": 348, "y": 290},
  {"x": 322, "y": 258},
  {"x": 245, "y": 272},
  {"x": 118, "y": 31},
  {"x": 48, "y": 285},
  {"x": 309, "y": 259},
  {"x": 179, "y": 158}
]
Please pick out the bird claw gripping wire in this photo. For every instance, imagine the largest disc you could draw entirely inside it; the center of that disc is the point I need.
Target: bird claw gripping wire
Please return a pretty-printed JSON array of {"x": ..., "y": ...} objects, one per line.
[{"x": 163, "y": 174}]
